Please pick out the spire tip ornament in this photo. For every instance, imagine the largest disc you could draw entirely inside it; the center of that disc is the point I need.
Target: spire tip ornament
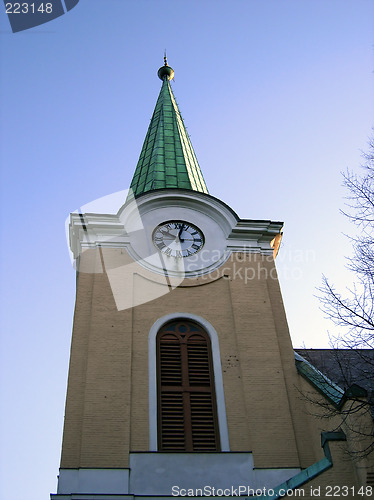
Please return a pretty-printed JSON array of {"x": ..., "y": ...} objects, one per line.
[{"x": 165, "y": 71}]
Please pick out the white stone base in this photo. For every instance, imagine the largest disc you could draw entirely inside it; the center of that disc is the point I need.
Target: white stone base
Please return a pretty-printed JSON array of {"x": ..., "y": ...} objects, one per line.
[
  {"x": 170, "y": 475},
  {"x": 97, "y": 481}
]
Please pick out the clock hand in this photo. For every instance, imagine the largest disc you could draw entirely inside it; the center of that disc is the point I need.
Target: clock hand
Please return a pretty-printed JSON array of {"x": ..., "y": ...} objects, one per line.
[
  {"x": 167, "y": 232},
  {"x": 178, "y": 237},
  {"x": 180, "y": 232}
]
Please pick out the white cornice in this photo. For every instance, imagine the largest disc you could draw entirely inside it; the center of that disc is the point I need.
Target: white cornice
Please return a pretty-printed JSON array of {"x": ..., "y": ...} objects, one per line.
[{"x": 137, "y": 218}]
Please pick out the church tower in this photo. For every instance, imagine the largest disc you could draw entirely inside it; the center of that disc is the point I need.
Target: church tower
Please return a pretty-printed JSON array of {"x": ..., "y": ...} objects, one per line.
[{"x": 182, "y": 374}]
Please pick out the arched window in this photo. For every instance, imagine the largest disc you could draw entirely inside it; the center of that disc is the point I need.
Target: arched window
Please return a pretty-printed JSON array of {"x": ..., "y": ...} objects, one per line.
[{"x": 187, "y": 414}]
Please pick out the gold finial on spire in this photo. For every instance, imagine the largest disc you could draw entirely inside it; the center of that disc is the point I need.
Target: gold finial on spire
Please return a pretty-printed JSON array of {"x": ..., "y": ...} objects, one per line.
[{"x": 165, "y": 71}]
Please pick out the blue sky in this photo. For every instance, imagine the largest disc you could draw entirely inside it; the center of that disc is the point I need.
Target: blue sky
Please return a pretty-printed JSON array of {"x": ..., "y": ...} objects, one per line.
[{"x": 277, "y": 96}]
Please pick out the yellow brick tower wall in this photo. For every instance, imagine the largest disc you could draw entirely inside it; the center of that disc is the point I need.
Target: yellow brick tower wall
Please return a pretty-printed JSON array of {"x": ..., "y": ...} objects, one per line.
[{"x": 107, "y": 413}]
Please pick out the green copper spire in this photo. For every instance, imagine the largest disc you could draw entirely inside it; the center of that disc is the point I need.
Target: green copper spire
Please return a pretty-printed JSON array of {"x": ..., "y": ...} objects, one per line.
[{"x": 167, "y": 159}]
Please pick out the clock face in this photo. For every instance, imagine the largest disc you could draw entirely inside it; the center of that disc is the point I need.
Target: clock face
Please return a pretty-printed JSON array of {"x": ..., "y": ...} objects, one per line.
[{"x": 178, "y": 238}]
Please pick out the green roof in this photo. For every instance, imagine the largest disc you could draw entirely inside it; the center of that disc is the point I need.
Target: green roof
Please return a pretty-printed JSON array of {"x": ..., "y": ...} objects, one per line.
[
  {"x": 167, "y": 159},
  {"x": 322, "y": 383}
]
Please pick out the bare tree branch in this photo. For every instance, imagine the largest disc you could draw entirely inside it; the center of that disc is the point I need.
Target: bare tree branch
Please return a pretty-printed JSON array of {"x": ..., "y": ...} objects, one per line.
[{"x": 353, "y": 310}]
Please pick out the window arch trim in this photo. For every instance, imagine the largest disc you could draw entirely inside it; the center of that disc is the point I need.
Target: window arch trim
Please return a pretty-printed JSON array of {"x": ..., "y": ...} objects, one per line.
[{"x": 218, "y": 380}]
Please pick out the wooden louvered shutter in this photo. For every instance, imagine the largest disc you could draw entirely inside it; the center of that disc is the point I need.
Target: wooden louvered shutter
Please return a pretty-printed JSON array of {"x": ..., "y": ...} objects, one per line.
[{"x": 187, "y": 419}]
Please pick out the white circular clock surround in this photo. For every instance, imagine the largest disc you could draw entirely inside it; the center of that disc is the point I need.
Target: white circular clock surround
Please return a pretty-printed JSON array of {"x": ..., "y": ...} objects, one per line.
[{"x": 211, "y": 219}]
